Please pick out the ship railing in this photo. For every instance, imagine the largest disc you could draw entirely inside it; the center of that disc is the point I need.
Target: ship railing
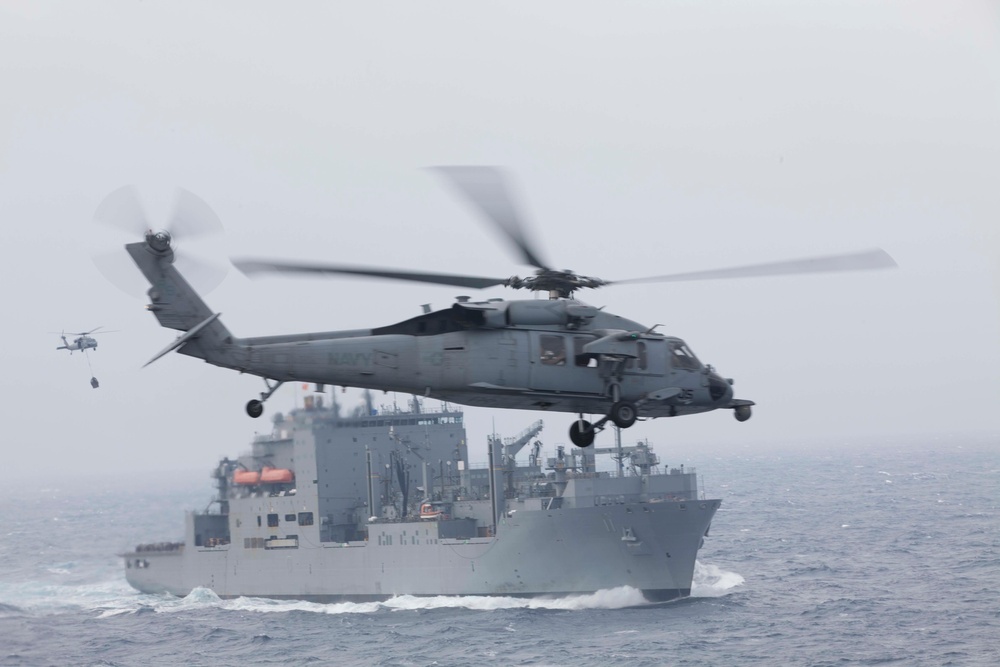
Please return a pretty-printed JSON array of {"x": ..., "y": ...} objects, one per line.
[
  {"x": 213, "y": 542},
  {"x": 159, "y": 546},
  {"x": 434, "y": 409}
]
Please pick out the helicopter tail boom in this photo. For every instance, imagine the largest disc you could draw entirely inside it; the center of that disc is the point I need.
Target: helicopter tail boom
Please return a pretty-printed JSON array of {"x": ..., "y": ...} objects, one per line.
[{"x": 177, "y": 306}]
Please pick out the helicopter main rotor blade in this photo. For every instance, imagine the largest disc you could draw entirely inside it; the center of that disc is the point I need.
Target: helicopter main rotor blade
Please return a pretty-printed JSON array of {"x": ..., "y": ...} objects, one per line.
[
  {"x": 85, "y": 333},
  {"x": 486, "y": 188},
  {"x": 253, "y": 266},
  {"x": 862, "y": 261}
]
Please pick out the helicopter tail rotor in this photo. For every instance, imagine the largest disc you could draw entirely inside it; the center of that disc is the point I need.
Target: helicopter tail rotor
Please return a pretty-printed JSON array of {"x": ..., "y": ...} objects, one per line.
[{"x": 191, "y": 223}]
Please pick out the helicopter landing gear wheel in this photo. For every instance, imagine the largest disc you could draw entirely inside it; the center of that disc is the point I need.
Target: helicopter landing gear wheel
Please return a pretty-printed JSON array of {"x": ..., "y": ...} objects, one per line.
[
  {"x": 581, "y": 433},
  {"x": 623, "y": 414},
  {"x": 742, "y": 413},
  {"x": 255, "y": 408}
]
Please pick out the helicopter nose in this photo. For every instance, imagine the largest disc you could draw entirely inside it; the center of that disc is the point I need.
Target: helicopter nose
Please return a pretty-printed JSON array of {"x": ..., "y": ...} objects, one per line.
[{"x": 719, "y": 388}]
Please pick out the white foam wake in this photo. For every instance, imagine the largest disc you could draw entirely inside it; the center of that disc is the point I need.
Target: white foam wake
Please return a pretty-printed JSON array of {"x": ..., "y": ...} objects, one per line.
[
  {"x": 113, "y": 598},
  {"x": 711, "y": 581},
  {"x": 201, "y": 598},
  {"x": 613, "y": 598}
]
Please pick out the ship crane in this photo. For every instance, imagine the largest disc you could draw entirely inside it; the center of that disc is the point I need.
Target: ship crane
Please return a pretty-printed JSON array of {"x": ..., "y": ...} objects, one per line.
[
  {"x": 511, "y": 446},
  {"x": 536, "y": 449}
]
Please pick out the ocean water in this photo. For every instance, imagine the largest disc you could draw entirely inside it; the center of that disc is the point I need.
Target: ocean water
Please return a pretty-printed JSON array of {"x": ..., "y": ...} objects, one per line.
[{"x": 888, "y": 555}]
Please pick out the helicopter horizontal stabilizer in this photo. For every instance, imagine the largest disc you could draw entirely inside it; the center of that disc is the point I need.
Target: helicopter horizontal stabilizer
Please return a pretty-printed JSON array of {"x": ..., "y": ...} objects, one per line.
[{"x": 183, "y": 338}]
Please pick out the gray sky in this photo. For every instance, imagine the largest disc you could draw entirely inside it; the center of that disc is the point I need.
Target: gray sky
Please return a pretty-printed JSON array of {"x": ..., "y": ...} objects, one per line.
[{"x": 645, "y": 138}]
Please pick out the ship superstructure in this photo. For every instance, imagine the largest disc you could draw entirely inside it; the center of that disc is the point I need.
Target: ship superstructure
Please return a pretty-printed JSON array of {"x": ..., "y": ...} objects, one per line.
[{"x": 383, "y": 502}]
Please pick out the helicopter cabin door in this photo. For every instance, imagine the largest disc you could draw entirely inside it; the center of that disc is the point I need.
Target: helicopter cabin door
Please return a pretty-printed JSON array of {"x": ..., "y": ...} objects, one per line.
[{"x": 557, "y": 366}]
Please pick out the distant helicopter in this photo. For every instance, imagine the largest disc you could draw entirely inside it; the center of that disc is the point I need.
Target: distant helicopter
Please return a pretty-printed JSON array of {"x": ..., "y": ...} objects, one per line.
[
  {"x": 558, "y": 354},
  {"x": 84, "y": 340}
]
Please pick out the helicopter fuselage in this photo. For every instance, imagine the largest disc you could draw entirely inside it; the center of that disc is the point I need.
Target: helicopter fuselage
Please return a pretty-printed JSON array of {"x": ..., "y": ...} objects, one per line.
[
  {"x": 559, "y": 354},
  {"x": 566, "y": 367},
  {"x": 81, "y": 343}
]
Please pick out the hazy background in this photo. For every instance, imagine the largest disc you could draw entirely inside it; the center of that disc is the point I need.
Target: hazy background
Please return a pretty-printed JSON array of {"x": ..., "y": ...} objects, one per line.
[{"x": 644, "y": 138}]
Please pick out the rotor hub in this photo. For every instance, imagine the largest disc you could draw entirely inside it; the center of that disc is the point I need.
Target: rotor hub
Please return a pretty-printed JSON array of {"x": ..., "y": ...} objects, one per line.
[
  {"x": 562, "y": 283},
  {"x": 158, "y": 241}
]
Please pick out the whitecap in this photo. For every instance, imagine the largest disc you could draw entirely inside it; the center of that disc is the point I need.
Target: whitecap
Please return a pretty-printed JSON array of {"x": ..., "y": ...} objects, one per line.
[{"x": 711, "y": 581}]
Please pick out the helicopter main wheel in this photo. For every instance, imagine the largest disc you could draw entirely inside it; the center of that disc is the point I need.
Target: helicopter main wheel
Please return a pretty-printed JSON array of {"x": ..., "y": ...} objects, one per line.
[
  {"x": 623, "y": 414},
  {"x": 255, "y": 408},
  {"x": 581, "y": 433},
  {"x": 742, "y": 413}
]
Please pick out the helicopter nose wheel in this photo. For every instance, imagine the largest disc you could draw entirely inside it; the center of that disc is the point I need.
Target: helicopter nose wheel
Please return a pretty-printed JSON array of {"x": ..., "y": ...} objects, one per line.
[
  {"x": 255, "y": 408},
  {"x": 581, "y": 433},
  {"x": 623, "y": 414}
]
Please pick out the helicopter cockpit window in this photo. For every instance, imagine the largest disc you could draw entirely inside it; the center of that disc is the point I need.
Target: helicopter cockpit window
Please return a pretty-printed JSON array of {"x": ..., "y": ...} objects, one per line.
[
  {"x": 553, "y": 352},
  {"x": 682, "y": 357}
]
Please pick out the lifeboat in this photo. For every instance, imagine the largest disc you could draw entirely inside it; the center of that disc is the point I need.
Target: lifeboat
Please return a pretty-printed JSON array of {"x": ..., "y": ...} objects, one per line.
[
  {"x": 432, "y": 511},
  {"x": 277, "y": 476},
  {"x": 246, "y": 477}
]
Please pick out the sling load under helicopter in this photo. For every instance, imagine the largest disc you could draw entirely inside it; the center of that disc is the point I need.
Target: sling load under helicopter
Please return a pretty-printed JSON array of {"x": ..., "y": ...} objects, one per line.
[
  {"x": 83, "y": 342},
  {"x": 559, "y": 354}
]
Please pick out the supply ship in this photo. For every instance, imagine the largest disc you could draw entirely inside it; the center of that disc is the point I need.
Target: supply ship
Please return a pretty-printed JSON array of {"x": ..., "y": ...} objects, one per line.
[{"x": 383, "y": 502}]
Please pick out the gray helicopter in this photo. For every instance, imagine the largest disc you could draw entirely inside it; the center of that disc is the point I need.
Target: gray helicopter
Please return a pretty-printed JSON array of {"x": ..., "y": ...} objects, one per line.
[
  {"x": 84, "y": 340},
  {"x": 557, "y": 354}
]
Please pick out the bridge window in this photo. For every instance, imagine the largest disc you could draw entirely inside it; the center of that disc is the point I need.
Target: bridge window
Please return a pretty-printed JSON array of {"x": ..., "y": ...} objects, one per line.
[
  {"x": 305, "y": 518},
  {"x": 272, "y": 520}
]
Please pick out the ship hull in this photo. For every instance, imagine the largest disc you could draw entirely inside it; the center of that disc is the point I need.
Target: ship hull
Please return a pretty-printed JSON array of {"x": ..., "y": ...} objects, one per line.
[{"x": 648, "y": 546}]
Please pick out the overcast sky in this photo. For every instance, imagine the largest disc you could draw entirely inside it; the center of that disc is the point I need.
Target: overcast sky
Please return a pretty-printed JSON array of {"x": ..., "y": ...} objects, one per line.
[{"x": 643, "y": 138}]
